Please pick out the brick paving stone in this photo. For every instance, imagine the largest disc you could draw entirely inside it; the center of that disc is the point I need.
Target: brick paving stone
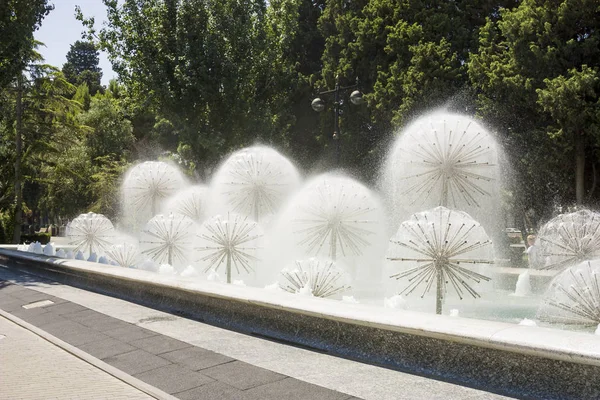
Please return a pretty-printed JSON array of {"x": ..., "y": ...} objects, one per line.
[
  {"x": 196, "y": 358},
  {"x": 136, "y": 362},
  {"x": 82, "y": 315},
  {"x": 106, "y": 348},
  {"x": 72, "y": 332},
  {"x": 42, "y": 319},
  {"x": 34, "y": 369},
  {"x": 65, "y": 308},
  {"x": 30, "y": 296},
  {"x": 173, "y": 378},
  {"x": 104, "y": 324},
  {"x": 24, "y": 313},
  {"x": 8, "y": 288},
  {"x": 158, "y": 344},
  {"x": 12, "y": 305},
  {"x": 83, "y": 337},
  {"x": 213, "y": 391},
  {"x": 130, "y": 333},
  {"x": 96, "y": 320},
  {"x": 293, "y": 389},
  {"x": 63, "y": 325},
  {"x": 242, "y": 375}
]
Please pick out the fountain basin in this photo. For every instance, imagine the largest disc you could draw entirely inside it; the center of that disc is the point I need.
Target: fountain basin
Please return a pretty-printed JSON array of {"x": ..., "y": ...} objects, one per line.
[{"x": 504, "y": 358}]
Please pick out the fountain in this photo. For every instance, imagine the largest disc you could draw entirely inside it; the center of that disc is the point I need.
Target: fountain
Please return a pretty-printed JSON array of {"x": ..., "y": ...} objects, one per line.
[
  {"x": 444, "y": 160},
  {"x": 322, "y": 278},
  {"x": 168, "y": 239},
  {"x": 191, "y": 202},
  {"x": 230, "y": 241},
  {"x": 91, "y": 232},
  {"x": 441, "y": 183},
  {"x": 254, "y": 182},
  {"x": 569, "y": 239},
  {"x": 145, "y": 187},
  {"x": 334, "y": 217},
  {"x": 435, "y": 245},
  {"x": 573, "y": 297}
]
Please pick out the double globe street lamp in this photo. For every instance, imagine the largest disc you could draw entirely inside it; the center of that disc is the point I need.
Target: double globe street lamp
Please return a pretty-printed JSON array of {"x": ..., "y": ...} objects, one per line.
[{"x": 356, "y": 98}]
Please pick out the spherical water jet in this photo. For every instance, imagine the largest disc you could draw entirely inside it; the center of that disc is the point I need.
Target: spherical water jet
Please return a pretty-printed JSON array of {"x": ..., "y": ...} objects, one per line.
[
  {"x": 229, "y": 241},
  {"x": 254, "y": 182},
  {"x": 191, "y": 202},
  {"x": 445, "y": 160},
  {"x": 337, "y": 218},
  {"x": 168, "y": 239},
  {"x": 323, "y": 277},
  {"x": 573, "y": 297},
  {"x": 569, "y": 239},
  {"x": 125, "y": 255},
  {"x": 145, "y": 187},
  {"x": 91, "y": 232},
  {"x": 434, "y": 246}
]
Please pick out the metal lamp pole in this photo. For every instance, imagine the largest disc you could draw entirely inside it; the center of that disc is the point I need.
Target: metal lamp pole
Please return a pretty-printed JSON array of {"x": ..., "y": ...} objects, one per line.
[{"x": 319, "y": 105}]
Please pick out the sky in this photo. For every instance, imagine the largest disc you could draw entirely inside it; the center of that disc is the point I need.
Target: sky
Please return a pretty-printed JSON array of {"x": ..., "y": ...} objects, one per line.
[{"x": 60, "y": 30}]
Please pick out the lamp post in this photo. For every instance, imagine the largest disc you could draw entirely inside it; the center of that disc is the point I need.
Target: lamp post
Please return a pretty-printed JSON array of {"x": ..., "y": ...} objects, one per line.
[{"x": 356, "y": 98}]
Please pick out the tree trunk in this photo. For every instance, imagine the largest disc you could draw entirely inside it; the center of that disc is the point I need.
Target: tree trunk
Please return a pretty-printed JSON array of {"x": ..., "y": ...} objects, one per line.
[
  {"x": 579, "y": 168},
  {"x": 18, "y": 156}
]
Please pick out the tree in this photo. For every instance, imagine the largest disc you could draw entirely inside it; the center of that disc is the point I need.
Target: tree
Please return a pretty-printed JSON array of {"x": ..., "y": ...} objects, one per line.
[
  {"x": 19, "y": 19},
  {"x": 83, "y": 96},
  {"x": 82, "y": 66},
  {"x": 294, "y": 54},
  {"x": 199, "y": 64},
  {"x": 534, "y": 66},
  {"x": 410, "y": 56},
  {"x": 83, "y": 172},
  {"x": 109, "y": 137},
  {"x": 38, "y": 104},
  {"x": 573, "y": 102}
]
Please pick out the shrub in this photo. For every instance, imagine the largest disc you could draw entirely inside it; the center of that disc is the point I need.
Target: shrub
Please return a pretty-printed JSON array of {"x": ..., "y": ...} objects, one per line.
[
  {"x": 43, "y": 238},
  {"x": 6, "y": 227}
]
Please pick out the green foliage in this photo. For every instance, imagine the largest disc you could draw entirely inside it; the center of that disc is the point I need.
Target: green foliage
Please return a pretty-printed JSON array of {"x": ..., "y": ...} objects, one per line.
[
  {"x": 65, "y": 177},
  {"x": 82, "y": 174},
  {"x": 573, "y": 101},
  {"x": 199, "y": 64},
  {"x": 410, "y": 57},
  {"x": 6, "y": 226},
  {"x": 110, "y": 135},
  {"x": 536, "y": 73},
  {"x": 43, "y": 238},
  {"x": 104, "y": 187},
  {"x": 83, "y": 96},
  {"x": 19, "y": 19},
  {"x": 114, "y": 89},
  {"x": 201, "y": 78},
  {"x": 82, "y": 66}
]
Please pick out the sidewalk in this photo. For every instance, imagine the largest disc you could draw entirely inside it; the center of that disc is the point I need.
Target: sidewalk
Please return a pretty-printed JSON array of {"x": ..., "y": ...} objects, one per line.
[
  {"x": 32, "y": 368},
  {"x": 192, "y": 360}
]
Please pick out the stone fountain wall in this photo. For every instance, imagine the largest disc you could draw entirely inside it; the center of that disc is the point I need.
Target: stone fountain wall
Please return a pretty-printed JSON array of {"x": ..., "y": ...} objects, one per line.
[{"x": 526, "y": 362}]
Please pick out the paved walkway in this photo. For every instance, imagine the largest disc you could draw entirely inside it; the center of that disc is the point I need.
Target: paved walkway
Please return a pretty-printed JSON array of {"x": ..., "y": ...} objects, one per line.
[
  {"x": 192, "y": 360},
  {"x": 33, "y": 368}
]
